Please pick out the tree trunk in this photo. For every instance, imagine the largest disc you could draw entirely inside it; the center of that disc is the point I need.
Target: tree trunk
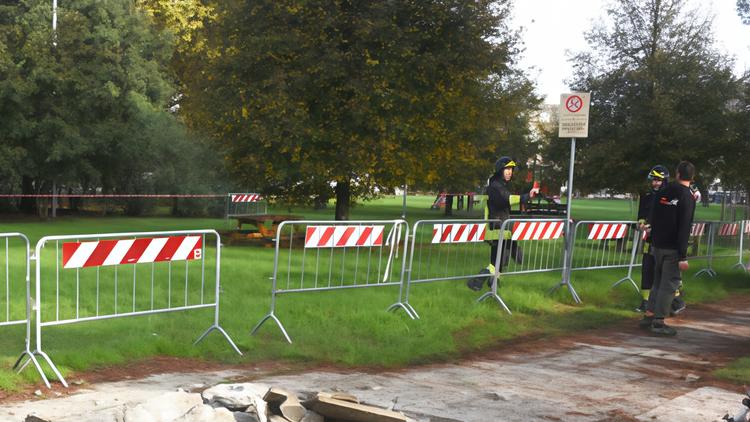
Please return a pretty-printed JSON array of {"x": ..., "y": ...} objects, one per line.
[
  {"x": 448, "y": 205},
  {"x": 343, "y": 197},
  {"x": 27, "y": 205}
]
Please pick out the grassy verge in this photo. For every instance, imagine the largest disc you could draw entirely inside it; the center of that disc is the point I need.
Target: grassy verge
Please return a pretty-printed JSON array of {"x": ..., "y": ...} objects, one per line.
[
  {"x": 737, "y": 371},
  {"x": 347, "y": 327}
]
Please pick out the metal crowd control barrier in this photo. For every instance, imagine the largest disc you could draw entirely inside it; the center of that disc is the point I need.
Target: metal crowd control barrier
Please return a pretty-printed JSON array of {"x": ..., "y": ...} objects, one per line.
[
  {"x": 18, "y": 306},
  {"x": 701, "y": 244},
  {"x": 332, "y": 255},
  {"x": 744, "y": 232},
  {"x": 80, "y": 288},
  {"x": 534, "y": 246},
  {"x": 241, "y": 204},
  {"x": 606, "y": 245},
  {"x": 443, "y": 250},
  {"x": 728, "y": 241}
]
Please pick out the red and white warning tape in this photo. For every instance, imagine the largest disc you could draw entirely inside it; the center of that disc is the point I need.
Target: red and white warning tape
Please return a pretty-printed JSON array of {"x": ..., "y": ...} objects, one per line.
[
  {"x": 537, "y": 230},
  {"x": 131, "y": 251},
  {"x": 698, "y": 229},
  {"x": 246, "y": 197},
  {"x": 729, "y": 229},
  {"x": 458, "y": 233},
  {"x": 343, "y": 236},
  {"x": 602, "y": 231}
]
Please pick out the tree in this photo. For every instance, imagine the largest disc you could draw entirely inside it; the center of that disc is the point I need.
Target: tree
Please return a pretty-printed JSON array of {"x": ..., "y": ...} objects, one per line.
[
  {"x": 91, "y": 110},
  {"x": 661, "y": 93},
  {"x": 357, "y": 97},
  {"x": 743, "y": 9}
]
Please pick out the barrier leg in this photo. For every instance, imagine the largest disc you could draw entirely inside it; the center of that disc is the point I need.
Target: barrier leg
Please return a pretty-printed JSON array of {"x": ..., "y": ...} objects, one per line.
[
  {"x": 566, "y": 281},
  {"x": 51, "y": 365},
  {"x": 709, "y": 266},
  {"x": 406, "y": 307},
  {"x": 741, "y": 249},
  {"x": 493, "y": 294},
  {"x": 276, "y": 320},
  {"x": 405, "y": 286},
  {"x": 629, "y": 277},
  {"x": 224, "y": 333},
  {"x": 32, "y": 359}
]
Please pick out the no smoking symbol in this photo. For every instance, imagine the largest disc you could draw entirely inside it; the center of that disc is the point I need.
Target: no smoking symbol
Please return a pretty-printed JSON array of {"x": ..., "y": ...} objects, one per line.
[{"x": 574, "y": 103}]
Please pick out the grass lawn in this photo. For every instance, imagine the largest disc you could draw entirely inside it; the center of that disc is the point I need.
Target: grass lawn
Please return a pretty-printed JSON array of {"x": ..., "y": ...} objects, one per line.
[
  {"x": 738, "y": 371},
  {"x": 344, "y": 327}
]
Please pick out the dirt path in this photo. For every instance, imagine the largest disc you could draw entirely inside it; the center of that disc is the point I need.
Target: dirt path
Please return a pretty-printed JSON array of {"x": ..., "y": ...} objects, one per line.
[{"x": 617, "y": 374}]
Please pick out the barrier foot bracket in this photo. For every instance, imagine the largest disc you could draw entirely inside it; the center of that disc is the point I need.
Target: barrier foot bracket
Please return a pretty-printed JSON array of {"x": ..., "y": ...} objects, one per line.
[
  {"x": 278, "y": 323},
  {"x": 32, "y": 359},
  {"x": 497, "y": 298},
  {"x": 406, "y": 307},
  {"x": 218, "y": 328}
]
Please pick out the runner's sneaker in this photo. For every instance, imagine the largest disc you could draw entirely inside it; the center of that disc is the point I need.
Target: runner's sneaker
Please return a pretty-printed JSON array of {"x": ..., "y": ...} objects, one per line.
[
  {"x": 660, "y": 328},
  {"x": 646, "y": 322},
  {"x": 642, "y": 307},
  {"x": 476, "y": 283},
  {"x": 678, "y": 305}
]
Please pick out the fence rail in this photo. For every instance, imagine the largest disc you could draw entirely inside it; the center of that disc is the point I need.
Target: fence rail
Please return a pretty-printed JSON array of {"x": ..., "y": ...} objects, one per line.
[
  {"x": 337, "y": 255},
  {"x": 96, "y": 277}
]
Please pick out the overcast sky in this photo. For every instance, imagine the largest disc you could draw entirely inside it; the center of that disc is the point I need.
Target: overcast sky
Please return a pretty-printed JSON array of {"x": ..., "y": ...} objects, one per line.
[{"x": 551, "y": 27}]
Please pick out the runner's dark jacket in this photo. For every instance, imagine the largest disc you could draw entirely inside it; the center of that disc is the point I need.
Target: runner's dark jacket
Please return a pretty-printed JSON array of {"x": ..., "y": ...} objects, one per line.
[
  {"x": 644, "y": 208},
  {"x": 498, "y": 199},
  {"x": 671, "y": 218}
]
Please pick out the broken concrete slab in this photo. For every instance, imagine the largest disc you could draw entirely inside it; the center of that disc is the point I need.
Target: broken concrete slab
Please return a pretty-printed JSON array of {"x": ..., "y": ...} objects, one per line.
[
  {"x": 329, "y": 407},
  {"x": 285, "y": 404},
  {"x": 696, "y": 406},
  {"x": 164, "y": 407},
  {"x": 237, "y": 397},
  {"x": 206, "y": 413}
]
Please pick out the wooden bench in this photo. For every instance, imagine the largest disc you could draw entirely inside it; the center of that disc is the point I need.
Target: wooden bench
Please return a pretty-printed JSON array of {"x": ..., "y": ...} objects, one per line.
[{"x": 261, "y": 222}]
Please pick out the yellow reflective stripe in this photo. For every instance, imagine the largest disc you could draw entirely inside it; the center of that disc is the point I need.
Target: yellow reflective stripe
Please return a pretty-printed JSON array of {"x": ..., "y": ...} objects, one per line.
[{"x": 514, "y": 199}]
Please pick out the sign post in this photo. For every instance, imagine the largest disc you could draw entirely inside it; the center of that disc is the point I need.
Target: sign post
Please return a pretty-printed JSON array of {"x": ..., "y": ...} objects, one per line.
[{"x": 574, "y": 123}]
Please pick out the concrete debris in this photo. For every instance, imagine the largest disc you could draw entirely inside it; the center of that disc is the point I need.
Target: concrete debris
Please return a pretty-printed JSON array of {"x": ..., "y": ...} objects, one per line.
[
  {"x": 329, "y": 407},
  {"x": 692, "y": 378},
  {"x": 34, "y": 418},
  {"x": 165, "y": 407},
  {"x": 246, "y": 397},
  {"x": 284, "y": 404},
  {"x": 204, "y": 413}
]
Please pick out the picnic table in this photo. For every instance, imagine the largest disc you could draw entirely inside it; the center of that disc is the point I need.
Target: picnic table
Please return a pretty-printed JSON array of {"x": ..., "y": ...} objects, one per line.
[{"x": 265, "y": 223}]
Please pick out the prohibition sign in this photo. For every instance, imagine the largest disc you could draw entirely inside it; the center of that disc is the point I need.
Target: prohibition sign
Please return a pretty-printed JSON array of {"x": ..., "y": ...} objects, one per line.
[{"x": 574, "y": 103}]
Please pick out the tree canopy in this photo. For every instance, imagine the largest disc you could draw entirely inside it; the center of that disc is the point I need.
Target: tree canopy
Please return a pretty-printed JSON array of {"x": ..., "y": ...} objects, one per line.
[
  {"x": 89, "y": 110},
  {"x": 356, "y": 97},
  {"x": 661, "y": 93}
]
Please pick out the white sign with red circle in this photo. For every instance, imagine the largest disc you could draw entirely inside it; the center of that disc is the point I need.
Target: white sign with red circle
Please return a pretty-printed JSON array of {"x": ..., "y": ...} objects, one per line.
[{"x": 574, "y": 115}]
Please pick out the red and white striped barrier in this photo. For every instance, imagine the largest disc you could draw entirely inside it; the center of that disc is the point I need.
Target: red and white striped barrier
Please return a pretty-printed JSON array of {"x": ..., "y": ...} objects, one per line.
[
  {"x": 698, "y": 229},
  {"x": 458, "y": 233},
  {"x": 537, "y": 230},
  {"x": 131, "y": 251},
  {"x": 343, "y": 236},
  {"x": 730, "y": 229},
  {"x": 747, "y": 227},
  {"x": 245, "y": 197},
  {"x": 605, "y": 231}
]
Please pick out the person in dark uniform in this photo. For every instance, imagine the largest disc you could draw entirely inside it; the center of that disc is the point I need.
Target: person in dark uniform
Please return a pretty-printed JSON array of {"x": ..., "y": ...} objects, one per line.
[
  {"x": 658, "y": 177},
  {"x": 671, "y": 217},
  {"x": 499, "y": 201}
]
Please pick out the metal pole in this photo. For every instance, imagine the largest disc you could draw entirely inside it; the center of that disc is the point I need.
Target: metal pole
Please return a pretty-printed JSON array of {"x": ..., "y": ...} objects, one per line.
[
  {"x": 54, "y": 23},
  {"x": 403, "y": 212},
  {"x": 570, "y": 193},
  {"x": 54, "y": 199}
]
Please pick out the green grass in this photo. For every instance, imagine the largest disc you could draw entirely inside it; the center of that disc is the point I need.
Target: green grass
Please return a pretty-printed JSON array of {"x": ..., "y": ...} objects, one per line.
[
  {"x": 344, "y": 327},
  {"x": 737, "y": 371}
]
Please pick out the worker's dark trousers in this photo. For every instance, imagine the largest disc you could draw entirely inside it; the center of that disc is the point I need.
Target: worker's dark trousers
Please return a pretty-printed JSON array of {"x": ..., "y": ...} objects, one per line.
[{"x": 667, "y": 279}]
